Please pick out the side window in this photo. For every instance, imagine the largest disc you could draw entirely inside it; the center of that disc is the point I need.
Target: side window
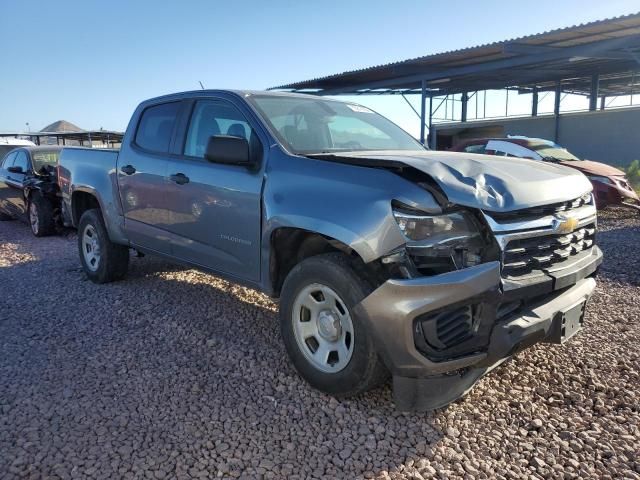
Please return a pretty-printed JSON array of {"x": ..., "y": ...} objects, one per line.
[
  {"x": 156, "y": 126},
  {"x": 21, "y": 161},
  {"x": 214, "y": 117},
  {"x": 477, "y": 148},
  {"x": 8, "y": 160}
]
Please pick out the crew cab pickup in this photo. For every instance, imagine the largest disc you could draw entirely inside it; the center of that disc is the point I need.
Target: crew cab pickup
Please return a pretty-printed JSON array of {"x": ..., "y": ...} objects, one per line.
[{"x": 388, "y": 259}]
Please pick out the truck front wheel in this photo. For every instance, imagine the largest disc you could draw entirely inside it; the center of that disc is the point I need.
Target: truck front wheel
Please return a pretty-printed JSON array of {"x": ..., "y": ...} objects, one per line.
[
  {"x": 327, "y": 343},
  {"x": 102, "y": 260}
]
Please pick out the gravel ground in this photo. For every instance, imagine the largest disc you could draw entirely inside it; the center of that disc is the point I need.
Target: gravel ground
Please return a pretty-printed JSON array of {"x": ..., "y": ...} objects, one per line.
[{"x": 176, "y": 374}]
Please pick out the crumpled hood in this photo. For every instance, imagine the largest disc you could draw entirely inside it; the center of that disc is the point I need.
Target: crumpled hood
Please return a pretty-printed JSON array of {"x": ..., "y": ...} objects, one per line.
[
  {"x": 492, "y": 183},
  {"x": 589, "y": 167}
]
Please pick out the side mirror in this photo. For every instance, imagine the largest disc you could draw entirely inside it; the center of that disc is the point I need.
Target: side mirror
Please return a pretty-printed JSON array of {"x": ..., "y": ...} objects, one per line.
[
  {"x": 15, "y": 169},
  {"x": 228, "y": 150}
]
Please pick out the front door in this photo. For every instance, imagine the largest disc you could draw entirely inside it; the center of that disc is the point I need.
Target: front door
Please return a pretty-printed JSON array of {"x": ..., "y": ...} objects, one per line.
[
  {"x": 215, "y": 217},
  {"x": 13, "y": 184},
  {"x": 6, "y": 191},
  {"x": 142, "y": 172}
]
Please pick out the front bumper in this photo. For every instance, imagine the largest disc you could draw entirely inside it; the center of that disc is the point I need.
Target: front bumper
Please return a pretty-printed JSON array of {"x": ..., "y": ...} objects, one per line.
[
  {"x": 615, "y": 194},
  {"x": 423, "y": 381}
]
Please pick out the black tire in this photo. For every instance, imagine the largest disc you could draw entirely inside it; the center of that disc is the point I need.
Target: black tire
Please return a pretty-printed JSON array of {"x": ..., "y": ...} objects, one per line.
[
  {"x": 5, "y": 218},
  {"x": 113, "y": 259},
  {"x": 364, "y": 370},
  {"x": 43, "y": 224}
]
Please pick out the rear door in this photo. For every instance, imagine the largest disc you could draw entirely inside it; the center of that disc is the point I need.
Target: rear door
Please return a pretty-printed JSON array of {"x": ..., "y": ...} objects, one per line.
[
  {"x": 215, "y": 212},
  {"x": 142, "y": 172}
]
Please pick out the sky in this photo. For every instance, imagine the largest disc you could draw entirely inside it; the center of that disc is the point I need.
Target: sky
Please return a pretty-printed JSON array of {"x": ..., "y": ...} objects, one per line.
[{"x": 91, "y": 62}]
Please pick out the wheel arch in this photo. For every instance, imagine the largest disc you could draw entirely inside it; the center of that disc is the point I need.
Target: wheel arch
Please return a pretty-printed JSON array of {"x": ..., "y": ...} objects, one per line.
[
  {"x": 81, "y": 201},
  {"x": 288, "y": 246},
  {"x": 86, "y": 198}
]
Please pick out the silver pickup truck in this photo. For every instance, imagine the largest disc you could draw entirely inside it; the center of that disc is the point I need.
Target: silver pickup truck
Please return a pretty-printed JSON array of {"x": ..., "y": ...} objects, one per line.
[{"x": 388, "y": 259}]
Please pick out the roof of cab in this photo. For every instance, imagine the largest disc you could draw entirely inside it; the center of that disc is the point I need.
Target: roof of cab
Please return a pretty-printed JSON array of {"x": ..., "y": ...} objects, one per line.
[{"x": 239, "y": 93}]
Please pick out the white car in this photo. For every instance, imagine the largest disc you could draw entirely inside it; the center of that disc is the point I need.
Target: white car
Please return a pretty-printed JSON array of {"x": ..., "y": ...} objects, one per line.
[{"x": 9, "y": 143}]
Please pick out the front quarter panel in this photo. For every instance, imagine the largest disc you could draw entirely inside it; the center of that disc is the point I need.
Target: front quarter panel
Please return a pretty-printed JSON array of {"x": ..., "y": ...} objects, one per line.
[{"x": 347, "y": 203}]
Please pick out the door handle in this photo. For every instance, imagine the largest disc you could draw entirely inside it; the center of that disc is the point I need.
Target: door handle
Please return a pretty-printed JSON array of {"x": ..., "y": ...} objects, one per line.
[
  {"x": 128, "y": 170},
  {"x": 179, "y": 178}
]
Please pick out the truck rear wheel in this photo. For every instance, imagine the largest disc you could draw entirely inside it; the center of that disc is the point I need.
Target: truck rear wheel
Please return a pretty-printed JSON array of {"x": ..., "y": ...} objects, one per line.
[
  {"x": 40, "y": 213},
  {"x": 328, "y": 344},
  {"x": 102, "y": 260}
]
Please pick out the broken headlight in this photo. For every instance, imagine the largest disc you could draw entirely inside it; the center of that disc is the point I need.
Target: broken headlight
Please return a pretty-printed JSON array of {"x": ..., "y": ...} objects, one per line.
[
  {"x": 435, "y": 229},
  {"x": 440, "y": 243}
]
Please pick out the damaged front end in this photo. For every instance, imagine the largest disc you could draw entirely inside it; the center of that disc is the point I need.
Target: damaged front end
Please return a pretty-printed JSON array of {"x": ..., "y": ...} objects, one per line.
[{"x": 470, "y": 288}]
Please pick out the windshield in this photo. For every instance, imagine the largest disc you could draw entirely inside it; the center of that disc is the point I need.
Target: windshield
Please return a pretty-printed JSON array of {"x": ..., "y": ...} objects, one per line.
[
  {"x": 43, "y": 158},
  {"x": 314, "y": 125},
  {"x": 554, "y": 151}
]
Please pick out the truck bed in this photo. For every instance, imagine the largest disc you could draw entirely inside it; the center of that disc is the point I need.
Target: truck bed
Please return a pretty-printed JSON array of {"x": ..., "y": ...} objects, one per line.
[{"x": 91, "y": 170}]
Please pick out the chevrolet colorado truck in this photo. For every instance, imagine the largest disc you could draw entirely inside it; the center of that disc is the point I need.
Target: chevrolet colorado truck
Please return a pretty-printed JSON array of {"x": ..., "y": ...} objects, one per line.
[{"x": 387, "y": 259}]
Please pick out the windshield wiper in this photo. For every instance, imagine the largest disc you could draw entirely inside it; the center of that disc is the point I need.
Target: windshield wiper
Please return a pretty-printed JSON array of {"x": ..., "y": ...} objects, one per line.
[{"x": 551, "y": 159}]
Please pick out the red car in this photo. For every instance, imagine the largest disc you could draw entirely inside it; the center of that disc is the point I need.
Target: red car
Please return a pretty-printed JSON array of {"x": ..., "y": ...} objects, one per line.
[{"x": 610, "y": 185}]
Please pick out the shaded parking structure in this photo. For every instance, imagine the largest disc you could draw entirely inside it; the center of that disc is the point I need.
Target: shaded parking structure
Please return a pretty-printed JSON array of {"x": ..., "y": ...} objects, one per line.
[
  {"x": 595, "y": 66},
  {"x": 102, "y": 138}
]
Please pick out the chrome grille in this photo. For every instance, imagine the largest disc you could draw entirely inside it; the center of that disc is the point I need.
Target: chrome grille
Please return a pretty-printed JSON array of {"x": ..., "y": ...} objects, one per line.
[
  {"x": 522, "y": 256},
  {"x": 542, "y": 210},
  {"x": 547, "y": 237}
]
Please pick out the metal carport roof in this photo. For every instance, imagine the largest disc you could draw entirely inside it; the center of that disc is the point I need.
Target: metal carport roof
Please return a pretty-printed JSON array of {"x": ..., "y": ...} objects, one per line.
[{"x": 608, "y": 48}]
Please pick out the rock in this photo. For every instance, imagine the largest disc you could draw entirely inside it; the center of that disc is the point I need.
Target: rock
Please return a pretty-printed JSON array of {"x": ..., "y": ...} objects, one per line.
[
  {"x": 537, "y": 462},
  {"x": 345, "y": 453},
  {"x": 452, "y": 432},
  {"x": 536, "y": 423}
]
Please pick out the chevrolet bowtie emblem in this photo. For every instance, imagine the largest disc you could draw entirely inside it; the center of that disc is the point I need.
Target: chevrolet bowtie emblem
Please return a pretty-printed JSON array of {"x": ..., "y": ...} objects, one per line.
[{"x": 567, "y": 225}]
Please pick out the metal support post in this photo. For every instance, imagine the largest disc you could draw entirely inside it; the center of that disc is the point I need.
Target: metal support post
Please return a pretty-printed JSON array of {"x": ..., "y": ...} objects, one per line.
[
  {"x": 593, "y": 95},
  {"x": 423, "y": 101},
  {"x": 556, "y": 110},
  {"x": 465, "y": 101}
]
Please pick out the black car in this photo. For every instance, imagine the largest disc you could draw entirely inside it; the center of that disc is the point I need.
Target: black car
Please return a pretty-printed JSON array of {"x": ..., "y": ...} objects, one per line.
[{"x": 29, "y": 189}]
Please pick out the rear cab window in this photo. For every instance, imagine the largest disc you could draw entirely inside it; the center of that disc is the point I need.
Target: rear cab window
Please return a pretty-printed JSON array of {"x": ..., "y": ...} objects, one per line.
[{"x": 156, "y": 127}]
